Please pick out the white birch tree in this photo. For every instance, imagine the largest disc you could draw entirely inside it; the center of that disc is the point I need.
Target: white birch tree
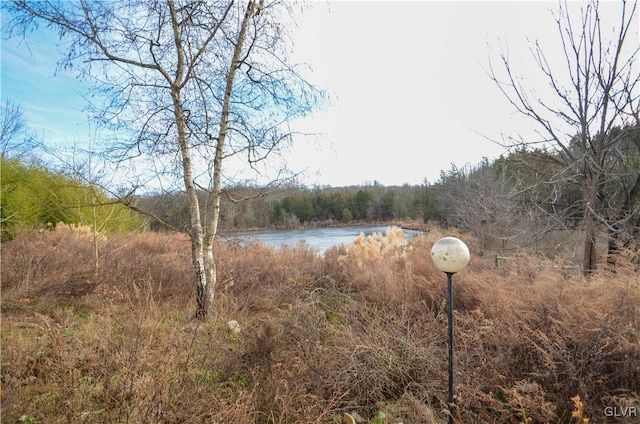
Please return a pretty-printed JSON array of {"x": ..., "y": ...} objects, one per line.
[{"x": 192, "y": 83}]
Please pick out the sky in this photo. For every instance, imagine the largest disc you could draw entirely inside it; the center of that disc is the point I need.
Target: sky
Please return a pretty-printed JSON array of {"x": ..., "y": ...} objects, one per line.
[{"x": 410, "y": 93}]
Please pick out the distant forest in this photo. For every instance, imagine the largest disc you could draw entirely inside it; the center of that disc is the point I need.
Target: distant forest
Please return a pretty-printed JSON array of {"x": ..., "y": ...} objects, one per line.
[{"x": 297, "y": 206}]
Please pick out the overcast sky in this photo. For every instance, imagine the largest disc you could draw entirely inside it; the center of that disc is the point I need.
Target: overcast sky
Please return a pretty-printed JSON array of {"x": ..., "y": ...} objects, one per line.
[{"x": 409, "y": 84}]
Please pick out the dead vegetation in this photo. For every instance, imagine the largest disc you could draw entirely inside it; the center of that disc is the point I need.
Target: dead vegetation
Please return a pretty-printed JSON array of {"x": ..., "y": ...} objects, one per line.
[{"x": 361, "y": 330}]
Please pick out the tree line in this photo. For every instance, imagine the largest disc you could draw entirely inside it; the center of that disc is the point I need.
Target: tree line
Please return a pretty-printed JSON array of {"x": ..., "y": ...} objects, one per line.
[{"x": 34, "y": 196}]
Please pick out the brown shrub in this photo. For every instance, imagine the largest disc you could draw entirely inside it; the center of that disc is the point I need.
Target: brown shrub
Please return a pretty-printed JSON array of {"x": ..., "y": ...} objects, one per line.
[
  {"x": 320, "y": 336},
  {"x": 536, "y": 326},
  {"x": 147, "y": 267},
  {"x": 44, "y": 259},
  {"x": 55, "y": 267}
]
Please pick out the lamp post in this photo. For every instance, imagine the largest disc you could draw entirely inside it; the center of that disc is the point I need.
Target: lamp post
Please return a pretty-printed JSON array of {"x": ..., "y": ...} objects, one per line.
[{"x": 450, "y": 255}]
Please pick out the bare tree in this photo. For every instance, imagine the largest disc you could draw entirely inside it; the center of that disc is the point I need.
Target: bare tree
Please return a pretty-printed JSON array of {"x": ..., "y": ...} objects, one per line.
[
  {"x": 485, "y": 200},
  {"x": 590, "y": 114},
  {"x": 15, "y": 139},
  {"x": 200, "y": 82}
]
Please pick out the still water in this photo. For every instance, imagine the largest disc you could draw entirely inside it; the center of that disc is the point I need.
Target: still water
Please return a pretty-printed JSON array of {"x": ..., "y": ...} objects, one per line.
[{"x": 320, "y": 239}]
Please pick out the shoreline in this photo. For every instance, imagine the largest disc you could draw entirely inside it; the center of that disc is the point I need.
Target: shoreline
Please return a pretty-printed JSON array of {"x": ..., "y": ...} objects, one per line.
[{"x": 405, "y": 225}]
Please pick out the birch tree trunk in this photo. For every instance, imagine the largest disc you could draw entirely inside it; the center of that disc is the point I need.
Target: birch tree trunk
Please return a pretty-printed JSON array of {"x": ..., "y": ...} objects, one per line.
[
  {"x": 207, "y": 282},
  {"x": 204, "y": 291}
]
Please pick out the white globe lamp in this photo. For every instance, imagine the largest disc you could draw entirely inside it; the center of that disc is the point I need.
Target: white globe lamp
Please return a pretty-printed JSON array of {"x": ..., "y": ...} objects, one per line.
[{"x": 450, "y": 255}]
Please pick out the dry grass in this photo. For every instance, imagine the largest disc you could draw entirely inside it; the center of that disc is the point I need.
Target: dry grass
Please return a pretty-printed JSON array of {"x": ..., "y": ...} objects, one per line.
[{"x": 362, "y": 330}]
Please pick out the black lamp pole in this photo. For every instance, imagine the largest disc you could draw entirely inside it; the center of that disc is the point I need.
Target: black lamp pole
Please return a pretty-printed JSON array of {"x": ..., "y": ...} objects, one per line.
[
  {"x": 450, "y": 255},
  {"x": 451, "y": 399}
]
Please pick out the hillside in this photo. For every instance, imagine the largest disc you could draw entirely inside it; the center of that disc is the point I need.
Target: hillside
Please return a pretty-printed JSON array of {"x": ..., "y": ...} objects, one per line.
[{"x": 359, "y": 331}]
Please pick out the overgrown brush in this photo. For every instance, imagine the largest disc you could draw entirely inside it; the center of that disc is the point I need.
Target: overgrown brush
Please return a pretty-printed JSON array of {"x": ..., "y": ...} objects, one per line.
[{"x": 361, "y": 330}]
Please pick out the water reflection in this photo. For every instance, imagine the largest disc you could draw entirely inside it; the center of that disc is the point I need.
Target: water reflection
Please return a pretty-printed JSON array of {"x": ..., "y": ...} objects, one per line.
[{"x": 319, "y": 239}]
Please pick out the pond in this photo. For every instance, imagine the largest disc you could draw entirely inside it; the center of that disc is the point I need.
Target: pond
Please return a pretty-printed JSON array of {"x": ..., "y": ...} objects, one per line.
[{"x": 320, "y": 239}]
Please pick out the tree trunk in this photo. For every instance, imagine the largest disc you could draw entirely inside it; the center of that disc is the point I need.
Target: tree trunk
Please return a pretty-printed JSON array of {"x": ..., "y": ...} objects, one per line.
[
  {"x": 589, "y": 260},
  {"x": 589, "y": 257},
  {"x": 206, "y": 282},
  {"x": 204, "y": 290}
]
